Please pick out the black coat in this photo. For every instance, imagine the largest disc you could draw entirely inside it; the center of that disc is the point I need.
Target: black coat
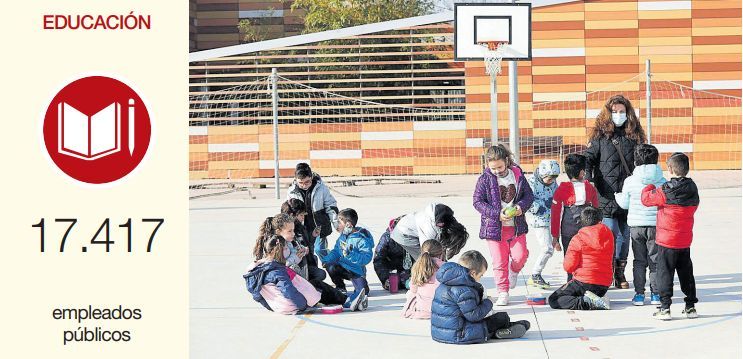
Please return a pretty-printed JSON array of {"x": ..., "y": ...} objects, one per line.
[
  {"x": 604, "y": 168},
  {"x": 389, "y": 256}
]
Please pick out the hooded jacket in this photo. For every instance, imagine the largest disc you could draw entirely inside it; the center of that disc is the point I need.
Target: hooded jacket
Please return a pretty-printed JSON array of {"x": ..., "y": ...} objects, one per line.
[
  {"x": 604, "y": 168},
  {"x": 353, "y": 251},
  {"x": 590, "y": 255},
  {"x": 487, "y": 201},
  {"x": 320, "y": 203},
  {"x": 458, "y": 310},
  {"x": 272, "y": 273},
  {"x": 415, "y": 228},
  {"x": 540, "y": 207},
  {"x": 640, "y": 215},
  {"x": 677, "y": 201}
]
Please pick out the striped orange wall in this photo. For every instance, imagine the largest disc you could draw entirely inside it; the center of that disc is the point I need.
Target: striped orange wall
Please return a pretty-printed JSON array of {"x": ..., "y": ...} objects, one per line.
[{"x": 583, "y": 52}]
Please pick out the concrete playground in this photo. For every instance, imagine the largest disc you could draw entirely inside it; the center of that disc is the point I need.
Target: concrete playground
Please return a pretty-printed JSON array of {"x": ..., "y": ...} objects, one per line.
[{"x": 226, "y": 323}]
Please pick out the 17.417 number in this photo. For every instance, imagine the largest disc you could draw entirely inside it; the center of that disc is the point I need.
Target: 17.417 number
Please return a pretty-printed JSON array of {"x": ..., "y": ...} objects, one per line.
[{"x": 102, "y": 236}]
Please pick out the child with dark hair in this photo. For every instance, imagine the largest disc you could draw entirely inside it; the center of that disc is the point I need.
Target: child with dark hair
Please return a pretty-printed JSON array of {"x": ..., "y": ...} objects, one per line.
[
  {"x": 642, "y": 220},
  {"x": 436, "y": 221},
  {"x": 589, "y": 258},
  {"x": 282, "y": 225},
  {"x": 269, "y": 281},
  {"x": 461, "y": 312},
  {"x": 321, "y": 206},
  {"x": 302, "y": 238},
  {"x": 569, "y": 201},
  {"x": 349, "y": 257},
  {"x": 390, "y": 256},
  {"x": 677, "y": 201},
  {"x": 502, "y": 195}
]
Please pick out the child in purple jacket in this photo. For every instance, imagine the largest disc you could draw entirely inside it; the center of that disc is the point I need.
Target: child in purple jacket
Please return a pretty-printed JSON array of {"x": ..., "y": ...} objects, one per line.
[{"x": 502, "y": 196}]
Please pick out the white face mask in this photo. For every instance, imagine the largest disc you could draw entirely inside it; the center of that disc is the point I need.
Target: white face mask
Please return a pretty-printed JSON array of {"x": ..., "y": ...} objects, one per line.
[{"x": 618, "y": 118}]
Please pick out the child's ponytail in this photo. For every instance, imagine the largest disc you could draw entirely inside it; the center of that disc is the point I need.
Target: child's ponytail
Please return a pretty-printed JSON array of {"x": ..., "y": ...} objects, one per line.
[
  {"x": 265, "y": 232},
  {"x": 425, "y": 266}
]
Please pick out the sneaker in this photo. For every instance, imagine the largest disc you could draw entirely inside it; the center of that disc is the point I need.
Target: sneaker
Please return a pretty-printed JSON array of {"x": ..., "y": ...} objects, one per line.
[
  {"x": 515, "y": 330},
  {"x": 638, "y": 299},
  {"x": 536, "y": 280},
  {"x": 354, "y": 301},
  {"x": 594, "y": 301},
  {"x": 662, "y": 314},
  {"x": 691, "y": 313},
  {"x": 654, "y": 299},
  {"x": 513, "y": 277},
  {"x": 502, "y": 299},
  {"x": 606, "y": 300},
  {"x": 364, "y": 302}
]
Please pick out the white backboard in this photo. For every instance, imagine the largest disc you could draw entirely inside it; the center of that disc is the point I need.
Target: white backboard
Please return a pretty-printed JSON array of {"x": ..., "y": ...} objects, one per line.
[{"x": 477, "y": 22}]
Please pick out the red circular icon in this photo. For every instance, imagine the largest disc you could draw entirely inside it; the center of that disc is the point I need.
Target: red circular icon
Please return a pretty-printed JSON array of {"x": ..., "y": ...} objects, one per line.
[{"x": 97, "y": 129}]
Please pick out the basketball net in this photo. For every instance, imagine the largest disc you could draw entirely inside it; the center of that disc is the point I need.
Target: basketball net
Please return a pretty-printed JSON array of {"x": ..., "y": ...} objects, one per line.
[{"x": 493, "y": 56}]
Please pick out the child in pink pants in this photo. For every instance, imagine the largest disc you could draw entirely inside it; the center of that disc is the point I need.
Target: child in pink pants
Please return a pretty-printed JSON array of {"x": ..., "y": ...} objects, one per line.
[{"x": 502, "y": 195}]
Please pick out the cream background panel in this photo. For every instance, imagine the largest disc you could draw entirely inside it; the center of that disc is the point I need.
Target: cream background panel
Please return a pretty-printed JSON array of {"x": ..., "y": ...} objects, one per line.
[{"x": 156, "y": 282}]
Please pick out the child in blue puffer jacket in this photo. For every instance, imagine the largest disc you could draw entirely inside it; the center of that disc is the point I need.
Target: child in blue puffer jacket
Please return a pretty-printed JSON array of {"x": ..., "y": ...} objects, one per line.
[
  {"x": 543, "y": 185},
  {"x": 461, "y": 312},
  {"x": 348, "y": 259},
  {"x": 642, "y": 220}
]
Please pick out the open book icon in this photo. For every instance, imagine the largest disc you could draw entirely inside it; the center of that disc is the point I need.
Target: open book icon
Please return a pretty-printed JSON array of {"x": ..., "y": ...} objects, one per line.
[{"x": 92, "y": 137}]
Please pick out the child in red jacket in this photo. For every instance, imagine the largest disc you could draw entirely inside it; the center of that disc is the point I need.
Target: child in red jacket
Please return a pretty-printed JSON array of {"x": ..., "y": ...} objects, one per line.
[
  {"x": 569, "y": 200},
  {"x": 677, "y": 200},
  {"x": 589, "y": 258}
]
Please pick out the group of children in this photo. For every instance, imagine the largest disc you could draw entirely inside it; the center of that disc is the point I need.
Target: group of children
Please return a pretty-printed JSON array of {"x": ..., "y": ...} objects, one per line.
[{"x": 286, "y": 277}]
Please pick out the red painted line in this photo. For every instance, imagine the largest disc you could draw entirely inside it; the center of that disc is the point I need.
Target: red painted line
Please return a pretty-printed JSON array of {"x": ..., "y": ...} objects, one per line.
[
  {"x": 595, "y": 349},
  {"x": 580, "y": 329},
  {"x": 585, "y": 339}
]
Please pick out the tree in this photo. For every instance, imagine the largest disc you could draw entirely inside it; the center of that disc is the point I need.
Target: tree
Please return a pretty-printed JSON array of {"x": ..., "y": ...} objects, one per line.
[{"x": 335, "y": 14}]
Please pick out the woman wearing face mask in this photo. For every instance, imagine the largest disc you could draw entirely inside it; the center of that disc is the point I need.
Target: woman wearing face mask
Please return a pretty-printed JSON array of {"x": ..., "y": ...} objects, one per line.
[
  {"x": 502, "y": 195},
  {"x": 610, "y": 160}
]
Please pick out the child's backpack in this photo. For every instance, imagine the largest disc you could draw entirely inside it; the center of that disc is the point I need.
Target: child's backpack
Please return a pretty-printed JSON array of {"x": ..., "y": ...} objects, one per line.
[{"x": 570, "y": 223}]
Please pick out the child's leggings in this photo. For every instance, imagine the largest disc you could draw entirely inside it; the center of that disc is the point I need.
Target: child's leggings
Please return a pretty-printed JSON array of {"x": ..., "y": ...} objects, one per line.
[
  {"x": 546, "y": 250},
  {"x": 503, "y": 250}
]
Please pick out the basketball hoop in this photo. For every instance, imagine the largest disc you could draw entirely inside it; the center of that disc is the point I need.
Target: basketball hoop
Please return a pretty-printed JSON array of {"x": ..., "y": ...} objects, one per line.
[{"x": 493, "y": 55}]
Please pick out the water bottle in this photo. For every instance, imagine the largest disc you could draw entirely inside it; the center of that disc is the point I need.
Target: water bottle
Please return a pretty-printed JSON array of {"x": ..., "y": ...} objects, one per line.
[{"x": 394, "y": 281}]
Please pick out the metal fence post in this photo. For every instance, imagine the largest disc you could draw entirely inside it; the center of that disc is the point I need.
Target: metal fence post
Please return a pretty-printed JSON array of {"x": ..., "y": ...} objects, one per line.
[
  {"x": 275, "y": 101},
  {"x": 648, "y": 97}
]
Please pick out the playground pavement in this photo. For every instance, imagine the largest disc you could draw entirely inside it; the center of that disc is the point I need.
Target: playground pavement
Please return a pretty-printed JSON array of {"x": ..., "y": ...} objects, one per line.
[{"x": 226, "y": 323}]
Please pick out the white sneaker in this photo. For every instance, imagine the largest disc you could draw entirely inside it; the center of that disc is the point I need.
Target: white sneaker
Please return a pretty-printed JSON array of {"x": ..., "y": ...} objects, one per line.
[
  {"x": 513, "y": 277},
  {"x": 606, "y": 300},
  {"x": 502, "y": 299}
]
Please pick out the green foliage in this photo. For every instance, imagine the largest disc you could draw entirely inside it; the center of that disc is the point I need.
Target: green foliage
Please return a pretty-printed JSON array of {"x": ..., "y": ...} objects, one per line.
[{"x": 324, "y": 15}]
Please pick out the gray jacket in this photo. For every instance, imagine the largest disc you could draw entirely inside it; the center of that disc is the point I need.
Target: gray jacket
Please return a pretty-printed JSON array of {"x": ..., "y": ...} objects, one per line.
[
  {"x": 416, "y": 228},
  {"x": 323, "y": 205}
]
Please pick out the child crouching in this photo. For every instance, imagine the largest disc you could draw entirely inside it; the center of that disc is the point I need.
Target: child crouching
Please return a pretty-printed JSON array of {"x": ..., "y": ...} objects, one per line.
[
  {"x": 461, "y": 313},
  {"x": 589, "y": 259}
]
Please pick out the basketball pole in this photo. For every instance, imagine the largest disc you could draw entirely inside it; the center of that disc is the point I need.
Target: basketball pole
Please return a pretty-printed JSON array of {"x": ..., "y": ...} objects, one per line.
[
  {"x": 513, "y": 116},
  {"x": 493, "y": 110}
]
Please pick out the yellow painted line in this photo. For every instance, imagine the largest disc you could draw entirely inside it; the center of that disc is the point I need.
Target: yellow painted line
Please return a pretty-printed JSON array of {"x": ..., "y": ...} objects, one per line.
[{"x": 280, "y": 350}]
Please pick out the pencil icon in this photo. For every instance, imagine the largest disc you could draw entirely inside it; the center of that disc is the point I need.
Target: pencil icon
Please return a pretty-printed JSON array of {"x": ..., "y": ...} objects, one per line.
[{"x": 131, "y": 126}]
